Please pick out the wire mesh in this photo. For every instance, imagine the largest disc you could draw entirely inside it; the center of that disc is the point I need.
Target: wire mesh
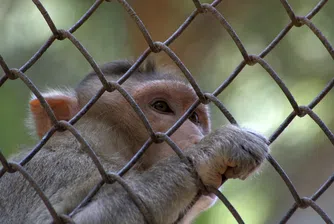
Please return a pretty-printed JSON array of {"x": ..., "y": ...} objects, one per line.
[{"x": 204, "y": 98}]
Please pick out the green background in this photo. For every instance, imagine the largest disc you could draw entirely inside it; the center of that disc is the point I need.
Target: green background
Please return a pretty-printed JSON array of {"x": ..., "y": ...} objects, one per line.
[{"x": 254, "y": 99}]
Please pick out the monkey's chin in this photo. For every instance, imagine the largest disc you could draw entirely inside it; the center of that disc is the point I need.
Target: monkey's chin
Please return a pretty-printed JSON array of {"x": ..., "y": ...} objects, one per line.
[
  {"x": 206, "y": 201},
  {"x": 212, "y": 196}
]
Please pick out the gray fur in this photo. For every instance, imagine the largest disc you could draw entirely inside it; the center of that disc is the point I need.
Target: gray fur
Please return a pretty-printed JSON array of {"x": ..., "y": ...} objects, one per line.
[
  {"x": 146, "y": 72},
  {"x": 66, "y": 174}
]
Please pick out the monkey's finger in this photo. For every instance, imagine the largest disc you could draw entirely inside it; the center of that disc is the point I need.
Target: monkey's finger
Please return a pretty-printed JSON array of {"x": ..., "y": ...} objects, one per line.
[{"x": 234, "y": 173}]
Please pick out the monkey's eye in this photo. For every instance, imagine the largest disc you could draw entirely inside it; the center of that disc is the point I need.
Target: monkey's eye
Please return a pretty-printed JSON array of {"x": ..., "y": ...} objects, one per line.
[
  {"x": 161, "y": 106},
  {"x": 194, "y": 118}
]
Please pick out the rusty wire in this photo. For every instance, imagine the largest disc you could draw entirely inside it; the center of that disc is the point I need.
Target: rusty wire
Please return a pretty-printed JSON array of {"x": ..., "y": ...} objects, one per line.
[{"x": 205, "y": 98}]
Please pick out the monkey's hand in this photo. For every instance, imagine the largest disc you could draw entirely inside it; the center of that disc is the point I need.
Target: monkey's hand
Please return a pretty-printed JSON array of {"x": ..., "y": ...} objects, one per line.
[{"x": 230, "y": 151}]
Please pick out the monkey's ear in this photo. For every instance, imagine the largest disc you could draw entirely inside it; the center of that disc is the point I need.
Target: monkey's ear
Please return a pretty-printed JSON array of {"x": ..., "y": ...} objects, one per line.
[{"x": 64, "y": 106}]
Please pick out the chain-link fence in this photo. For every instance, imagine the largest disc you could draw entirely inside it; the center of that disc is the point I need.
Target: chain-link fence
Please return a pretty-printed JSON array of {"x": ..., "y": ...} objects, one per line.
[{"x": 204, "y": 98}]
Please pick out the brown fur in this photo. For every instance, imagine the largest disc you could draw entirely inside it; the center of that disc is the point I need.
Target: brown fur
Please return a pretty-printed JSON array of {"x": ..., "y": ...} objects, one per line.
[{"x": 165, "y": 184}]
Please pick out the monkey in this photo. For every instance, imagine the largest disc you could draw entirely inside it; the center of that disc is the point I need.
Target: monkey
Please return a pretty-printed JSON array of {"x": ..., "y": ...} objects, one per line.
[{"x": 168, "y": 187}]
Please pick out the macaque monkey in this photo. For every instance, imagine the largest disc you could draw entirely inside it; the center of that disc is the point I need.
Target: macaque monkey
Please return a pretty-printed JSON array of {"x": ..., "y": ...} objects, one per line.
[{"x": 166, "y": 185}]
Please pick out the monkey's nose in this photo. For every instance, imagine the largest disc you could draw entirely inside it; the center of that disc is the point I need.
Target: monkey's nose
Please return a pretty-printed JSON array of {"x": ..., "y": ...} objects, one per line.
[
  {"x": 194, "y": 139},
  {"x": 194, "y": 142}
]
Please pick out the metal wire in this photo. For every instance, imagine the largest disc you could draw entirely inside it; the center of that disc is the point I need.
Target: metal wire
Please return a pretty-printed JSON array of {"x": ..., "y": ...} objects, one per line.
[{"x": 205, "y": 98}]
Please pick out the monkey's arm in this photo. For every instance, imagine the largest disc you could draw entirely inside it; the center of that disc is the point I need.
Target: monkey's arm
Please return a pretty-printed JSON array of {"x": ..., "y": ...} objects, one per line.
[
  {"x": 170, "y": 186},
  {"x": 166, "y": 189}
]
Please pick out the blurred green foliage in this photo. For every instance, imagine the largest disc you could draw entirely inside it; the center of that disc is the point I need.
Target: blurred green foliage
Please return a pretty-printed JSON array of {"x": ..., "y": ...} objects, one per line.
[{"x": 253, "y": 98}]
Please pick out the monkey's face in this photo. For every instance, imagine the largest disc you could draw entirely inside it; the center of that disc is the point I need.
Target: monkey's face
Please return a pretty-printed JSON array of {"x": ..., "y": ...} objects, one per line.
[{"x": 164, "y": 102}]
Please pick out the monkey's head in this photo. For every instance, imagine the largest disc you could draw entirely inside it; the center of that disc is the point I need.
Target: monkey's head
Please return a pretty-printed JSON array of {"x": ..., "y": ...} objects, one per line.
[{"x": 162, "y": 96}]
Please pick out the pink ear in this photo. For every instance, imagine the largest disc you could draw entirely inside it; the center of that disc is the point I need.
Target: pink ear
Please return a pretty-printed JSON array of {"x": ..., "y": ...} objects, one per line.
[{"x": 63, "y": 106}]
